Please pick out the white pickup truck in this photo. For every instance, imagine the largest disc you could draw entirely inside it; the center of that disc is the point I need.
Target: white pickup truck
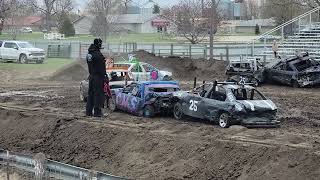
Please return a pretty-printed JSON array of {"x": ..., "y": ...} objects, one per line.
[{"x": 21, "y": 52}]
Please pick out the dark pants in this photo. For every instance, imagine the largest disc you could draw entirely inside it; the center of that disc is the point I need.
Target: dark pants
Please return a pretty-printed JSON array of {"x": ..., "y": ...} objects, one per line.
[{"x": 96, "y": 96}]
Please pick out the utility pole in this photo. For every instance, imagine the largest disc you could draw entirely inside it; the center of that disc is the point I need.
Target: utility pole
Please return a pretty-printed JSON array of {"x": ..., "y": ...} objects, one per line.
[{"x": 212, "y": 24}]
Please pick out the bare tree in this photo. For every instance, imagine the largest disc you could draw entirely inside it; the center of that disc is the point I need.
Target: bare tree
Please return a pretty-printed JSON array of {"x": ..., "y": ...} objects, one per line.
[
  {"x": 215, "y": 19},
  {"x": 189, "y": 19},
  {"x": 51, "y": 9},
  {"x": 5, "y": 6},
  {"x": 105, "y": 14}
]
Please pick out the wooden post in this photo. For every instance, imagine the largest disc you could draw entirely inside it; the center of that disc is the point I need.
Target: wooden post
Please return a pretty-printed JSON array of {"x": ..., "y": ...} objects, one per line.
[
  {"x": 153, "y": 50},
  {"x": 221, "y": 57},
  {"x": 171, "y": 50},
  {"x": 195, "y": 82},
  {"x": 190, "y": 51}
]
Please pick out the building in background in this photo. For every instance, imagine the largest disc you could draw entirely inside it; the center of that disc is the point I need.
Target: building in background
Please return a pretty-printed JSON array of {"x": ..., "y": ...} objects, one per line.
[{"x": 134, "y": 19}]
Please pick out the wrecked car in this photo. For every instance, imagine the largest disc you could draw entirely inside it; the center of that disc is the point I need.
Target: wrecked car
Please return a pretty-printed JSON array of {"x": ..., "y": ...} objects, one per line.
[
  {"x": 251, "y": 70},
  {"x": 299, "y": 71},
  {"x": 117, "y": 79},
  {"x": 227, "y": 104},
  {"x": 146, "y": 98}
]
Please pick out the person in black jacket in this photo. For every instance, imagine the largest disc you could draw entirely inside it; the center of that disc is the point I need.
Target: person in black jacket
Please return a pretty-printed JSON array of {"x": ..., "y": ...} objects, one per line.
[{"x": 97, "y": 70}]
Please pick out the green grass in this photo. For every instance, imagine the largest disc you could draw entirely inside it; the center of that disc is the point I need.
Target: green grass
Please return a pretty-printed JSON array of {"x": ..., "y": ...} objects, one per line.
[
  {"x": 50, "y": 65},
  {"x": 113, "y": 38}
]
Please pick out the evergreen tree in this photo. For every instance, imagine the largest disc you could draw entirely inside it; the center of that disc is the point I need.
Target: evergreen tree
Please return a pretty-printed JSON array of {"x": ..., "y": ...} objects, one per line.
[
  {"x": 156, "y": 9},
  {"x": 257, "y": 30},
  {"x": 66, "y": 27}
]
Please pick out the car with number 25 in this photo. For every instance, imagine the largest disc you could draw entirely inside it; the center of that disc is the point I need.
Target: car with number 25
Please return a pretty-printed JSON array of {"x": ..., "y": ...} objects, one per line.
[{"x": 227, "y": 104}]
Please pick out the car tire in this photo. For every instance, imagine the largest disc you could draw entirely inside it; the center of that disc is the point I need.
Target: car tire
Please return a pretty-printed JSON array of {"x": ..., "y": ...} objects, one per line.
[
  {"x": 177, "y": 111},
  {"x": 148, "y": 111},
  {"x": 224, "y": 120},
  {"x": 112, "y": 104},
  {"x": 23, "y": 59},
  {"x": 167, "y": 78},
  {"x": 82, "y": 96},
  {"x": 295, "y": 84}
]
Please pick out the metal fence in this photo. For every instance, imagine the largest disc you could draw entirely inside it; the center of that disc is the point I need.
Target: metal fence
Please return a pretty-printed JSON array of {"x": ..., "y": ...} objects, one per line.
[
  {"x": 24, "y": 167},
  {"x": 223, "y": 51}
]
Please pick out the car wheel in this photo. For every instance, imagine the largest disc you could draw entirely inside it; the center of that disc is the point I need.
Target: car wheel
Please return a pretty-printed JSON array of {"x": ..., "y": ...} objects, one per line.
[
  {"x": 295, "y": 84},
  {"x": 39, "y": 62},
  {"x": 224, "y": 120},
  {"x": 148, "y": 111},
  {"x": 82, "y": 97},
  {"x": 23, "y": 59},
  {"x": 177, "y": 111},
  {"x": 255, "y": 82},
  {"x": 112, "y": 104},
  {"x": 167, "y": 78}
]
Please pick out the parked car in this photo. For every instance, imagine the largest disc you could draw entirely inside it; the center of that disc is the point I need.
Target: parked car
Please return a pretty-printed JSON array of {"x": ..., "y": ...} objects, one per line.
[
  {"x": 228, "y": 104},
  {"x": 21, "y": 52},
  {"x": 26, "y": 30},
  {"x": 299, "y": 71},
  {"x": 143, "y": 71},
  {"x": 117, "y": 79},
  {"x": 146, "y": 98}
]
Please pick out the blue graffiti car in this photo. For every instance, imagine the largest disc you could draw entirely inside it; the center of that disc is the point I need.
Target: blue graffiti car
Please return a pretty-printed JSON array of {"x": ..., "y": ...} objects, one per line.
[{"x": 146, "y": 98}]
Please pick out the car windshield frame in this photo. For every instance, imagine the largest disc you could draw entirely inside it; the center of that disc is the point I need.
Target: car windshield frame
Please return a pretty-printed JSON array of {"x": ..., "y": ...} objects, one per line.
[{"x": 23, "y": 45}]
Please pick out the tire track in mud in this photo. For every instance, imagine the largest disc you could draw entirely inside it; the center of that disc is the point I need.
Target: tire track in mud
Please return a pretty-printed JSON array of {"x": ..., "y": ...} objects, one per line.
[{"x": 237, "y": 137}]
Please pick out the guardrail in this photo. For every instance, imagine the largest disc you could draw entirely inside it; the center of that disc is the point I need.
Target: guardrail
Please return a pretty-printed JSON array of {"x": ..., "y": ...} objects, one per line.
[{"x": 45, "y": 168}]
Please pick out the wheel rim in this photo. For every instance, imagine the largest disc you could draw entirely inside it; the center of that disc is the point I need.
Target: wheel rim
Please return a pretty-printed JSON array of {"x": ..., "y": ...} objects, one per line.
[
  {"x": 112, "y": 105},
  {"x": 223, "y": 120},
  {"x": 23, "y": 59},
  {"x": 177, "y": 111}
]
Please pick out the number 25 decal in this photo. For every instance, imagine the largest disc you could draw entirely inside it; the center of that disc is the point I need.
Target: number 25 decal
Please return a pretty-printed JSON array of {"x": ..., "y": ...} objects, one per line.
[{"x": 193, "y": 105}]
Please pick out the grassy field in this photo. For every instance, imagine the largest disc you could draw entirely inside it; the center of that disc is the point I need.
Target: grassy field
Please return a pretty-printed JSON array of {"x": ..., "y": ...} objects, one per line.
[
  {"x": 50, "y": 65},
  {"x": 114, "y": 38}
]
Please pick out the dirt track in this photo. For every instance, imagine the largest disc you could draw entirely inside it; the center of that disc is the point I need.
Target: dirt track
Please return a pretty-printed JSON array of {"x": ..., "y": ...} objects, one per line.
[{"x": 43, "y": 116}]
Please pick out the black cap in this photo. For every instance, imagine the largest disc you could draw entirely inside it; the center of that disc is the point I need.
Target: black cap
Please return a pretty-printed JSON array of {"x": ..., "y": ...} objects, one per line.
[{"x": 98, "y": 42}]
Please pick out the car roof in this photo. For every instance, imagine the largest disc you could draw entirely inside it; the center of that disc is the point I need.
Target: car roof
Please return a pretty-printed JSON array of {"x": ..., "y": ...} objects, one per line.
[
  {"x": 15, "y": 41},
  {"x": 157, "y": 82}
]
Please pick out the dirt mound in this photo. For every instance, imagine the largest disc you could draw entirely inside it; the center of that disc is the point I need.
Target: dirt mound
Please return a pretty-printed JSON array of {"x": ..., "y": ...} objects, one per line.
[
  {"x": 186, "y": 68},
  {"x": 75, "y": 71}
]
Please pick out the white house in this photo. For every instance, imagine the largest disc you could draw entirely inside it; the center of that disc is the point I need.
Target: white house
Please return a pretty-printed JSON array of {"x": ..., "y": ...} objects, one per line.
[{"x": 138, "y": 20}]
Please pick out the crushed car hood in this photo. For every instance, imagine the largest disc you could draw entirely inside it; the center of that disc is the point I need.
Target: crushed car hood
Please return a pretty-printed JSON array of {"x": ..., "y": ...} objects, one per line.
[{"x": 258, "y": 105}]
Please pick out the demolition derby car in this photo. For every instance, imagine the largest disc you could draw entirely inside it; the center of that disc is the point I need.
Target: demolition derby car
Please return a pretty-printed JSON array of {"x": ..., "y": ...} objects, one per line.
[
  {"x": 227, "y": 104},
  {"x": 117, "y": 79},
  {"x": 299, "y": 71},
  {"x": 141, "y": 71},
  {"x": 146, "y": 98}
]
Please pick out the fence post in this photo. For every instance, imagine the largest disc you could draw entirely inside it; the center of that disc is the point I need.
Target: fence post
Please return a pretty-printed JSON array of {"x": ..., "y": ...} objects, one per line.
[
  {"x": 221, "y": 57},
  {"x": 171, "y": 50},
  {"x": 190, "y": 51},
  {"x": 153, "y": 49},
  {"x": 227, "y": 53},
  {"x": 80, "y": 50},
  {"x": 205, "y": 52}
]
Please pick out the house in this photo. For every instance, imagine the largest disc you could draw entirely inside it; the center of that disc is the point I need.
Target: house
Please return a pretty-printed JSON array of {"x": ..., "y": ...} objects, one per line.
[
  {"x": 247, "y": 26},
  {"x": 34, "y": 22},
  {"x": 134, "y": 20}
]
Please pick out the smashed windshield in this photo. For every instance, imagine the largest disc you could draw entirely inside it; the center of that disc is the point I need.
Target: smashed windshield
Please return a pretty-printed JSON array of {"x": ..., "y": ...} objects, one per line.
[{"x": 247, "y": 94}]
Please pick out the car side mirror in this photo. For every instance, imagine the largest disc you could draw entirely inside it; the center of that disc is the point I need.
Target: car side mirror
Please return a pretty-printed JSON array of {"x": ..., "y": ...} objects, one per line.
[{"x": 16, "y": 48}]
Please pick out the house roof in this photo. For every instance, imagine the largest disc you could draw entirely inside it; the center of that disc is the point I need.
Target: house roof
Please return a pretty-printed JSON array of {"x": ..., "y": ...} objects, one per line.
[
  {"x": 126, "y": 18},
  {"x": 24, "y": 21}
]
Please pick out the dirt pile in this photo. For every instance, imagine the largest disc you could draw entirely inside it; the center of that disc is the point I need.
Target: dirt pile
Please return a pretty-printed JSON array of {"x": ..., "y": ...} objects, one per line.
[
  {"x": 186, "y": 68},
  {"x": 75, "y": 71}
]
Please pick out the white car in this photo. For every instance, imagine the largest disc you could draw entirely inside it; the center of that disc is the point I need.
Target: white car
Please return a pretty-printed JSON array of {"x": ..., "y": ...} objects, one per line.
[
  {"x": 21, "y": 52},
  {"x": 26, "y": 30},
  {"x": 143, "y": 71}
]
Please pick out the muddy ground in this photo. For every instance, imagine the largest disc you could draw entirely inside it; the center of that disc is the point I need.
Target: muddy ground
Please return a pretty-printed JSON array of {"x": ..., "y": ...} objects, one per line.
[{"x": 46, "y": 116}]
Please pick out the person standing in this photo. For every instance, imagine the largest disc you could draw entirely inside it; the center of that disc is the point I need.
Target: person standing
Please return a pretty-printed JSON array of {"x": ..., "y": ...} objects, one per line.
[
  {"x": 97, "y": 72},
  {"x": 275, "y": 48}
]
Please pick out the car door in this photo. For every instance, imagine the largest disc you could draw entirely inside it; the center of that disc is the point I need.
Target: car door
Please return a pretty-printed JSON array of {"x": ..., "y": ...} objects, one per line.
[
  {"x": 193, "y": 106},
  {"x": 129, "y": 99},
  {"x": 138, "y": 72},
  {"x": 282, "y": 73},
  {"x": 9, "y": 50}
]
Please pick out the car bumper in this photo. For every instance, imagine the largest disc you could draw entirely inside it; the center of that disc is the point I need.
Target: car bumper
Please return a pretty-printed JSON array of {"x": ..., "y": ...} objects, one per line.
[
  {"x": 260, "y": 122},
  {"x": 309, "y": 83},
  {"x": 36, "y": 58}
]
